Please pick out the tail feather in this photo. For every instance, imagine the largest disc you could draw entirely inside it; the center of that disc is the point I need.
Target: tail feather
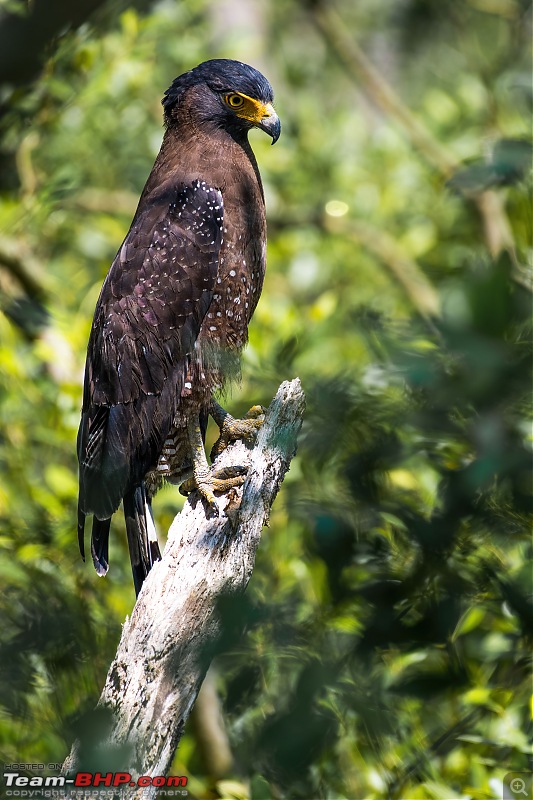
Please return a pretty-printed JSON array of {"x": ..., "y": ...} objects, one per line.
[
  {"x": 153, "y": 544},
  {"x": 142, "y": 537},
  {"x": 100, "y": 545}
]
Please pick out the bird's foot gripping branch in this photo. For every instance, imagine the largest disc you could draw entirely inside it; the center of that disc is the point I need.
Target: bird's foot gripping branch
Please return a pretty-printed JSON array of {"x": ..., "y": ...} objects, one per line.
[
  {"x": 232, "y": 429},
  {"x": 219, "y": 480},
  {"x": 168, "y": 642}
]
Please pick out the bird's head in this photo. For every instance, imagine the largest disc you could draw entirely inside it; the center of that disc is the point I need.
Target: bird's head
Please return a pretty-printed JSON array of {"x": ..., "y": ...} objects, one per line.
[{"x": 229, "y": 94}]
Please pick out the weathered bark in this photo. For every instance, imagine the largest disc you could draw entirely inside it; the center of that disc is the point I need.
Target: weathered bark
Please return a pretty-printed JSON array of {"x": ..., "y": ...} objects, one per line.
[{"x": 168, "y": 642}]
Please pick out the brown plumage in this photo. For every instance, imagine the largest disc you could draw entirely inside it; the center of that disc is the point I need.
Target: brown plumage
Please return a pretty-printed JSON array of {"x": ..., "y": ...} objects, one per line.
[{"x": 173, "y": 313}]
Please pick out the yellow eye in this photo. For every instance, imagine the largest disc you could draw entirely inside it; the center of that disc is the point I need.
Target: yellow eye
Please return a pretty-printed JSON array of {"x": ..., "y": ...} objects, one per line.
[{"x": 234, "y": 100}]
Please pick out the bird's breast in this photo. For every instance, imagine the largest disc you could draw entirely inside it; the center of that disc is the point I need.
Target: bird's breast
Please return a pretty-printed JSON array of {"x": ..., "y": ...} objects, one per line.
[{"x": 241, "y": 272}]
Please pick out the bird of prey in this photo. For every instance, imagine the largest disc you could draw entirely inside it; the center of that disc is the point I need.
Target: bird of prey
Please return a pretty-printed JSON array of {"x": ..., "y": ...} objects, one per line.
[{"x": 173, "y": 312}]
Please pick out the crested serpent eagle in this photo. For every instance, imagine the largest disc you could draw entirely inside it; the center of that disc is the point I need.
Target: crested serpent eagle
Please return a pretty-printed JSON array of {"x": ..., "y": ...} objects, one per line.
[{"x": 173, "y": 312}]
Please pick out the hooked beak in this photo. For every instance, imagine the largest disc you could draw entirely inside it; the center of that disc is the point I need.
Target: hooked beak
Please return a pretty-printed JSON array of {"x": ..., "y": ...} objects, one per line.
[{"x": 270, "y": 123}]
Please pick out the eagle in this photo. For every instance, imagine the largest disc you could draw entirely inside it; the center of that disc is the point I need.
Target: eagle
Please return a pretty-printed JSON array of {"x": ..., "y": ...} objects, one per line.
[{"x": 172, "y": 316}]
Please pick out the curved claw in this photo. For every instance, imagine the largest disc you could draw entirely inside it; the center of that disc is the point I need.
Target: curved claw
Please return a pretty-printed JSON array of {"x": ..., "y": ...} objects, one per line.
[
  {"x": 219, "y": 481},
  {"x": 234, "y": 429},
  {"x": 204, "y": 487}
]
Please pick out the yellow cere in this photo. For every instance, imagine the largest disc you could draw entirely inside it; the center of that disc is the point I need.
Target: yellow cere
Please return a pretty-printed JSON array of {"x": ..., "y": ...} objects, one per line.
[{"x": 253, "y": 110}]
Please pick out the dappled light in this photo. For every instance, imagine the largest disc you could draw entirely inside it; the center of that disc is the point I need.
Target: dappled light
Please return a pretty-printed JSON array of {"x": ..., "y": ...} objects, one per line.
[{"x": 382, "y": 648}]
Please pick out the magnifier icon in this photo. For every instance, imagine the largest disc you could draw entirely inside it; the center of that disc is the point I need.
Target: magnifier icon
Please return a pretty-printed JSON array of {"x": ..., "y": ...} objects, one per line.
[{"x": 518, "y": 786}]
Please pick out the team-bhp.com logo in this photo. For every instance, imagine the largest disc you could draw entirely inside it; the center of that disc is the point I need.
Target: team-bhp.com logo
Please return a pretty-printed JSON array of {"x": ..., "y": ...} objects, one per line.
[{"x": 15, "y": 781}]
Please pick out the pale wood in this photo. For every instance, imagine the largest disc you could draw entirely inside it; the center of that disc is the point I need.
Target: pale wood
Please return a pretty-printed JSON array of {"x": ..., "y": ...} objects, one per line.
[{"x": 167, "y": 644}]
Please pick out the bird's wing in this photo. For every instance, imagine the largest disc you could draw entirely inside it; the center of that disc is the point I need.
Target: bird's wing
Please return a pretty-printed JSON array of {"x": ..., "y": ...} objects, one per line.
[
  {"x": 147, "y": 319},
  {"x": 155, "y": 296}
]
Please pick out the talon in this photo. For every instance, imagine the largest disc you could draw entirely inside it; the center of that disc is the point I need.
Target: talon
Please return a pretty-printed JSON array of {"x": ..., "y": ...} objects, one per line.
[
  {"x": 255, "y": 411},
  {"x": 226, "y": 474},
  {"x": 218, "y": 481},
  {"x": 233, "y": 429},
  {"x": 208, "y": 481},
  {"x": 205, "y": 489},
  {"x": 223, "y": 480}
]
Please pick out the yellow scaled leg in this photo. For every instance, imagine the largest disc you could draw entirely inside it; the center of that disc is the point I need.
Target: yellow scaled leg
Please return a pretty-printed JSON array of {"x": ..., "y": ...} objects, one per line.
[{"x": 206, "y": 481}]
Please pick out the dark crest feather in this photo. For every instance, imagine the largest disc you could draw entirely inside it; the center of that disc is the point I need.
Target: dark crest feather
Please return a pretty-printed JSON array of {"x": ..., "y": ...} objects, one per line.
[{"x": 221, "y": 75}]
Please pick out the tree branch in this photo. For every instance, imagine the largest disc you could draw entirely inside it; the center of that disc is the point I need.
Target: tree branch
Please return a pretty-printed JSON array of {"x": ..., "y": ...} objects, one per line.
[{"x": 168, "y": 642}]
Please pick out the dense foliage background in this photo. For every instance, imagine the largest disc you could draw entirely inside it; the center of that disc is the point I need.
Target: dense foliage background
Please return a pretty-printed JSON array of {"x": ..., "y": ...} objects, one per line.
[{"x": 382, "y": 648}]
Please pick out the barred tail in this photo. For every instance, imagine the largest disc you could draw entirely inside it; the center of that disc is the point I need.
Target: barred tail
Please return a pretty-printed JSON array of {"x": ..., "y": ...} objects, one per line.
[{"x": 142, "y": 536}]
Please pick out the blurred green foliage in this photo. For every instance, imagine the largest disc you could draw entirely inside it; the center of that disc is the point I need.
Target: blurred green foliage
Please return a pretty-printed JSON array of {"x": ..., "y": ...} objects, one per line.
[{"x": 382, "y": 648}]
